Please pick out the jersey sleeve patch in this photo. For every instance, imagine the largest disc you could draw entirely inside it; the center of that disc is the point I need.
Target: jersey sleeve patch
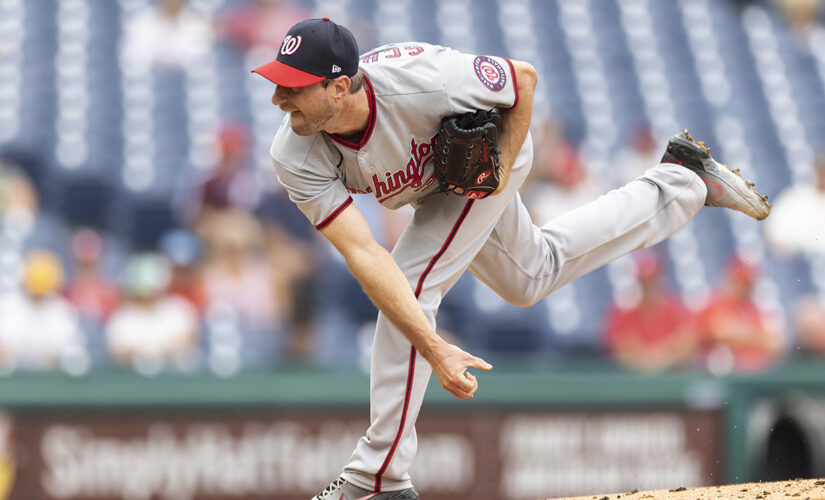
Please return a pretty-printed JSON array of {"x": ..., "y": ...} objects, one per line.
[{"x": 490, "y": 73}]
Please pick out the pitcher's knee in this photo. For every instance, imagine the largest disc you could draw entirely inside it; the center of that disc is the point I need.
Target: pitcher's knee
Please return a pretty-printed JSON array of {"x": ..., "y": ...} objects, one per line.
[{"x": 521, "y": 297}]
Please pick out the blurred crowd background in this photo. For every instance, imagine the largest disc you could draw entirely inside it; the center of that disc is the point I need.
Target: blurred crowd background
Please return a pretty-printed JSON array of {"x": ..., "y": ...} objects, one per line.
[{"x": 142, "y": 226}]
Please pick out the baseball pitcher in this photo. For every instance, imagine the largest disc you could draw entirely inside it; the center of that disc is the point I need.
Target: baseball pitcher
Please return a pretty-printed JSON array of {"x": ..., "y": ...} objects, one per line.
[{"x": 447, "y": 132}]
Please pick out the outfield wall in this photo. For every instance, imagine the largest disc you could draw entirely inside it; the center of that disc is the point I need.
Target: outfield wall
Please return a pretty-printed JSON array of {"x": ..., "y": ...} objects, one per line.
[{"x": 282, "y": 435}]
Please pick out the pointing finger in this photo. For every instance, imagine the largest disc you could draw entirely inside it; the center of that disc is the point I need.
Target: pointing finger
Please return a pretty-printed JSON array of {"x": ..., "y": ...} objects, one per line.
[{"x": 480, "y": 364}]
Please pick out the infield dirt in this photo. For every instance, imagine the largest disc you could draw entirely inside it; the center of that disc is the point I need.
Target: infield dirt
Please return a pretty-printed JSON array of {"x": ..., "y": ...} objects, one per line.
[{"x": 802, "y": 489}]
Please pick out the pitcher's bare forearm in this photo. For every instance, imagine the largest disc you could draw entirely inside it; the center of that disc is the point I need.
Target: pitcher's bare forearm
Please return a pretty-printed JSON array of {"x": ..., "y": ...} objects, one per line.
[
  {"x": 385, "y": 284},
  {"x": 516, "y": 120},
  {"x": 387, "y": 287}
]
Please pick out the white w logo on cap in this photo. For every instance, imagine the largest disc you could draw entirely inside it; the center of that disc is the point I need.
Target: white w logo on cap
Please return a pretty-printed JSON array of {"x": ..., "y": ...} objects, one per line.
[{"x": 290, "y": 45}]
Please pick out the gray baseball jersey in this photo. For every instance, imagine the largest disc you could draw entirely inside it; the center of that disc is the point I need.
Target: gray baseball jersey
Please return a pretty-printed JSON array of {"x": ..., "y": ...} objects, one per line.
[{"x": 410, "y": 87}]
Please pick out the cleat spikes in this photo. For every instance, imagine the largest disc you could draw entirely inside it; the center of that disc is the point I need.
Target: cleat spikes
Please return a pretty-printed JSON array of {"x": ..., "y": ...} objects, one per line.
[
  {"x": 701, "y": 144},
  {"x": 726, "y": 186}
]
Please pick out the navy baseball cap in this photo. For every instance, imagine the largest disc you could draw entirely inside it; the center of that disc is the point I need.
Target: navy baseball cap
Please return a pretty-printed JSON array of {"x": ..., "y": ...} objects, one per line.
[{"x": 311, "y": 51}]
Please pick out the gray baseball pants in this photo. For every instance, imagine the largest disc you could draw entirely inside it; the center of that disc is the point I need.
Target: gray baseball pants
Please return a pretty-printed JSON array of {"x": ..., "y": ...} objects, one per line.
[{"x": 496, "y": 240}]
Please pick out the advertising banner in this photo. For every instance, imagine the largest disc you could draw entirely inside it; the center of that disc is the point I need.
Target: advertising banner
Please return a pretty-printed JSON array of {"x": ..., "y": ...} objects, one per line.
[{"x": 256, "y": 455}]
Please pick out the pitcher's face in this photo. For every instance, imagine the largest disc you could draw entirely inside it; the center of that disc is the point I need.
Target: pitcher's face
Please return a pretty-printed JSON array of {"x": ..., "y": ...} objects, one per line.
[{"x": 310, "y": 108}]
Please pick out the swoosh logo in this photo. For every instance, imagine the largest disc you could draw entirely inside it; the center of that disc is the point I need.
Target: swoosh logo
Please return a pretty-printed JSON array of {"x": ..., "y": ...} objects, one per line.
[{"x": 716, "y": 190}]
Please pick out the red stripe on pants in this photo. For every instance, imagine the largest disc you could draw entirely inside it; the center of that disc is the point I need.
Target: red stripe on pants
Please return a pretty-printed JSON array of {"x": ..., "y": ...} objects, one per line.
[{"x": 413, "y": 353}]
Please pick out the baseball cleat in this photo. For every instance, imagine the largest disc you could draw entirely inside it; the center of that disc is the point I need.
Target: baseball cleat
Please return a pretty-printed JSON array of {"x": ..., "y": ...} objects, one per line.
[
  {"x": 726, "y": 187},
  {"x": 341, "y": 489}
]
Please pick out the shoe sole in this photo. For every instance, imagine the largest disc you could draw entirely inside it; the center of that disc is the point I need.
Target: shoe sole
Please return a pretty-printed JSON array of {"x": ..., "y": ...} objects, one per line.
[{"x": 726, "y": 187}]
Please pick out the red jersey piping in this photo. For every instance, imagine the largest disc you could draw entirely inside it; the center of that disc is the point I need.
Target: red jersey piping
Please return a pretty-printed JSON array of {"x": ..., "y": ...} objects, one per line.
[{"x": 370, "y": 122}]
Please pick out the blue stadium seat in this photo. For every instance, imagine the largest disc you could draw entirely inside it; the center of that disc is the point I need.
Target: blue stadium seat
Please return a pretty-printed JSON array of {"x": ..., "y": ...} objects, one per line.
[{"x": 97, "y": 195}]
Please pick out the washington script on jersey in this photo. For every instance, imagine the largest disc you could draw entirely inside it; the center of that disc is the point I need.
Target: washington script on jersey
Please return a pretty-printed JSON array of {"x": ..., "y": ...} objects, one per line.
[{"x": 411, "y": 176}]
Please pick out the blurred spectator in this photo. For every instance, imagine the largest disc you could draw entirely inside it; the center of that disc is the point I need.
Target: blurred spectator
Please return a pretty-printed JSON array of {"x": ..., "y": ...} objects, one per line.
[
  {"x": 796, "y": 222},
  {"x": 167, "y": 34},
  {"x": 185, "y": 253},
  {"x": 562, "y": 183},
  {"x": 296, "y": 250},
  {"x": 152, "y": 330},
  {"x": 259, "y": 23},
  {"x": 549, "y": 147},
  {"x": 656, "y": 332},
  {"x": 89, "y": 290},
  {"x": 18, "y": 198},
  {"x": 229, "y": 185},
  {"x": 802, "y": 15},
  {"x": 16, "y": 191},
  {"x": 642, "y": 153},
  {"x": 262, "y": 24},
  {"x": 809, "y": 322},
  {"x": 39, "y": 329},
  {"x": 297, "y": 263},
  {"x": 239, "y": 278},
  {"x": 737, "y": 334}
]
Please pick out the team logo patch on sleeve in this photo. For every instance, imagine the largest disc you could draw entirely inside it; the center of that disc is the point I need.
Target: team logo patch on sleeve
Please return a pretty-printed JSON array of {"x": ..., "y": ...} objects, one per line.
[{"x": 490, "y": 72}]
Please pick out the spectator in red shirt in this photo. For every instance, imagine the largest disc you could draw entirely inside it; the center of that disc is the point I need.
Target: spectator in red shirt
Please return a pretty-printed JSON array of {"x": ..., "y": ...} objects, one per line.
[
  {"x": 809, "y": 323},
  {"x": 657, "y": 332},
  {"x": 92, "y": 293},
  {"x": 738, "y": 334},
  {"x": 204, "y": 196},
  {"x": 259, "y": 23},
  {"x": 184, "y": 250}
]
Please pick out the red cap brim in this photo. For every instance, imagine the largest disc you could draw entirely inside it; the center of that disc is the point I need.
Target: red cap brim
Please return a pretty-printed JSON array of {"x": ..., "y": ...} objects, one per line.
[{"x": 286, "y": 76}]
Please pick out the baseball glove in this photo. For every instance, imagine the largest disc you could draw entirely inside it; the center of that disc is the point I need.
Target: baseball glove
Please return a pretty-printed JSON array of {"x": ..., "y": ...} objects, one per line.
[{"x": 466, "y": 157}]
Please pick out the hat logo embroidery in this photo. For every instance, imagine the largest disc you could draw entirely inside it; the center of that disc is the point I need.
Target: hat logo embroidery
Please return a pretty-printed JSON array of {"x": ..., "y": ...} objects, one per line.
[
  {"x": 290, "y": 45},
  {"x": 336, "y": 68}
]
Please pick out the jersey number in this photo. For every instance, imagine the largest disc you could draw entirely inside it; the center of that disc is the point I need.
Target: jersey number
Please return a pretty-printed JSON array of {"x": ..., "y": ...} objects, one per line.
[{"x": 391, "y": 52}]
